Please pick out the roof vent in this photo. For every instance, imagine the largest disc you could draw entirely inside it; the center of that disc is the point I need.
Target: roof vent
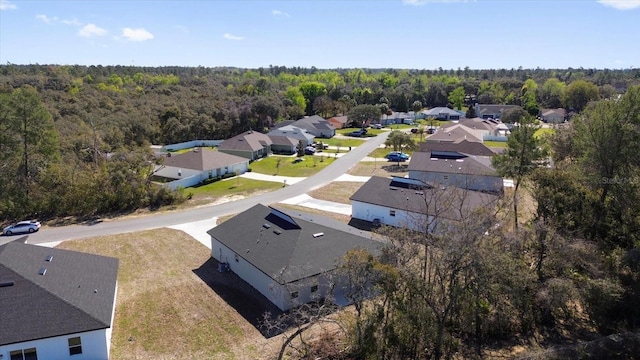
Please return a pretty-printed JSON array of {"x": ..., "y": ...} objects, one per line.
[
  {"x": 393, "y": 188},
  {"x": 317, "y": 235},
  {"x": 42, "y": 271},
  {"x": 6, "y": 283},
  {"x": 266, "y": 226},
  {"x": 459, "y": 160},
  {"x": 277, "y": 232},
  {"x": 49, "y": 258}
]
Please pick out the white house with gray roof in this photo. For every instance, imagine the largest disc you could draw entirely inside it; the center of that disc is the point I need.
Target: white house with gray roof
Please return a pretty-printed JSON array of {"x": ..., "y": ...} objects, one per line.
[
  {"x": 287, "y": 257},
  {"x": 55, "y": 304},
  {"x": 294, "y": 132}
]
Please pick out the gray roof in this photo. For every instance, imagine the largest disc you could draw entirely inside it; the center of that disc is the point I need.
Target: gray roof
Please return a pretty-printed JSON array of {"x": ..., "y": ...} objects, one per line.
[
  {"x": 492, "y": 109},
  {"x": 247, "y": 141},
  {"x": 292, "y": 132},
  {"x": 75, "y": 294},
  {"x": 478, "y": 123},
  {"x": 464, "y": 147},
  {"x": 454, "y": 133},
  {"x": 203, "y": 159},
  {"x": 313, "y": 122},
  {"x": 417, "y": 197},
  {"x": 295, "y": 253},
  {"x": 558, "y": 111},
  {"x": 441, "y": 110},
  {"x": 283, "y": 140},
  {"x": 422, "y": 161}
]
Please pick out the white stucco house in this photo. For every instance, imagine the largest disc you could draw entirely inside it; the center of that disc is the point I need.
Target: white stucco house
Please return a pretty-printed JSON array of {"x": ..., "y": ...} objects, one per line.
[
  {"x": 412, "y": 204},
  {"x": 286, "y": 257},
  {"x": 468, "y": 172},
  {"x": 193, "y": 167},
  {"x": 55, "y": 304}
]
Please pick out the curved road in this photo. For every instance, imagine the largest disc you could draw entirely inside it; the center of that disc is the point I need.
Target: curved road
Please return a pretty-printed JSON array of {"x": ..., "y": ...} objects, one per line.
[{"x": 170, "y": 218}]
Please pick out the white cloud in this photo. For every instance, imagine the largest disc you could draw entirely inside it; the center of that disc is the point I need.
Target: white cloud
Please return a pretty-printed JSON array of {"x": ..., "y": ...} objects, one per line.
[
  {"x": 232, "y": 37},
  {"x": 424, "y": 2},
  {"x": 7, "y": 5},
  {"x": 90, "y": 30},
  {"x": 621, "y": 4},
  {"x": 279, "y": 13},
  {"x": 71, "y": 22},
  {"x": 136, "y": 34},
  {"x": 47, "y": 19}
]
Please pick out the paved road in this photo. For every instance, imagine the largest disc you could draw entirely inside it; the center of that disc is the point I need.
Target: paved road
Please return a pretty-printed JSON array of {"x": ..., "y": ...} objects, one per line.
[{"x": 172, "y": 218}]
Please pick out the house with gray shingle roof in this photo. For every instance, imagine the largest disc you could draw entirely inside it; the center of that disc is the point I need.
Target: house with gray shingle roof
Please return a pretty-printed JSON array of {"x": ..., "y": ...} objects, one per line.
[
  {"x": 469, "y": 172},
  {"x": 491, "y": 111},
  {"x": 250, "y": 144},
  {"x": 555, "y": 116},
  {"x": 288, "y": 257},
  {"x": 55, "y": 304},
  {"x": 193, "y": 167},
  {"x": 443, "y": 113},
  {"x": 316, "y": 126},
  {"x": 293, "y": 132},
  {"x": 414, "y": 204}
]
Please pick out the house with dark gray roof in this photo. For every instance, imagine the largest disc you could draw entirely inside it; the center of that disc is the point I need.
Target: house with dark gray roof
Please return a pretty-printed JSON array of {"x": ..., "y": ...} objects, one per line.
[
  {"x": 456, "y": 133},
  {"x": 193, "y": 167},
  {"x": 468, "y": 172},
  {"x": 288, "y": 257},
  {"x": 283, "y": 145},
  {"x": 461, "y": 148},
  {"x": 492, "y": 111},
  {"x": 316, "y": 126},
  {"x": 250, "y": 144},
  {"x": 55, "y": 304},
  {"x": 415, "y": 204},
  {"x": 294, "y": 132}
]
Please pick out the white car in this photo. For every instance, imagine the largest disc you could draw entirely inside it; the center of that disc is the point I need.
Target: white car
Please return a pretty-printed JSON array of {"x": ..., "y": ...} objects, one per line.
[{"x": 22, "y": 227}]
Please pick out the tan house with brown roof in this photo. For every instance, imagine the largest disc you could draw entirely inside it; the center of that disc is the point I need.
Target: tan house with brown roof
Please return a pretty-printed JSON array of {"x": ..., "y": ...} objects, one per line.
[
  {"x": 555, "y": 116},
  {"x": 339, "y": 122},
  {"x": 250, "y": 144}
]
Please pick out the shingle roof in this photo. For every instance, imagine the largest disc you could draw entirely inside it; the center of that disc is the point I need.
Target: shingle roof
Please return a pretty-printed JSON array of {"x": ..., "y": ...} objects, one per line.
[
  {"x": 340, "y": 119},
  {"x": 440, "y": 110},
  {"x": 414, "y": 196},
  {"x": 203, "y": 159},
  {"x": 559, "y": 111},
  {"x": 292, "y": 132},
  {"x": 75, "y": 294},
  {"x": 463, "y": 146},
  {"x": 247, "y": 141},
  {"x": 295, "y": 253},
  {"x": 455, "y": 133},
  {"x": 313, "y": 122},
  {"x": 493, "y": 109},
  {"x": 283, "y": 140},
  {"x": 422, "y": 161}
]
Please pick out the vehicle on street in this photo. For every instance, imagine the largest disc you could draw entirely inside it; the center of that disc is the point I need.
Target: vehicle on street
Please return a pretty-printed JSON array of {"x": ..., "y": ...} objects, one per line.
[
  {"x": 431, "y": 131},
  {"x": 358, "y": 133},
  {"x": 22, "y": 227},
  {"x": 414, "y": 130},
  {"x": 376, "y": 126}
]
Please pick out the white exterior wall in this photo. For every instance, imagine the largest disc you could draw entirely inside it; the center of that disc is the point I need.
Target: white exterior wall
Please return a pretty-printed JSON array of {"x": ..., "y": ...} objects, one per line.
[
  {"x": 190, "y": 144},
  {"x": 94, "y": 347},
  {"x": 402, "y": 219},
  {"x": 278, "y": 294}
]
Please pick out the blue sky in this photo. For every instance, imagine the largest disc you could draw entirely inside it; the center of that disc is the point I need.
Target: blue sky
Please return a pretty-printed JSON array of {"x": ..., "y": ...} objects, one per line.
[{"x": 409, "y": 34}]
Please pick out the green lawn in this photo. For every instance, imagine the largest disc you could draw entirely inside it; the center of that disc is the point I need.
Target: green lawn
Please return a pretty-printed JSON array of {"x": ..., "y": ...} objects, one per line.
[
  {"x": 232, "y": 186},
  {"x": 544, "y": 132},
  {"x": 497, "y": 144},
  {"x": 400, "y": 126},
  {"x": 182, "y": 151},
  {"x": 285, "y": 166},
  {"x": 382, "y": 152},
  {"x": 342, "y": 142}
]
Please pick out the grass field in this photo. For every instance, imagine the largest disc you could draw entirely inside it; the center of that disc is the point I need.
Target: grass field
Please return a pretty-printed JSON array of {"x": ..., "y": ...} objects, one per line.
[
  {"x": 497, "y": 144},
  {"x": 337, "y": 191},
  {"x": 342, "y": 142},
  {"x": 164, "y": 308},
  {"x": 542, "y": 132},
  {"x": 236, "y": 186},
  {"x": 377, "y": 168},
  {"x": 285, "y": 166}
]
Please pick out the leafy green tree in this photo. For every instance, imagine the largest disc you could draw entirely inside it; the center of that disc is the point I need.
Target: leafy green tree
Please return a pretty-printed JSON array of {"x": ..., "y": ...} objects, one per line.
[
  {"x": 296, "y": 96},
  {"x": 416, "y": 107},
  {"x": 524, "y": 153},
  {"x": 551, "y": 93},
  {"x": 400, "y": 141},
  {"x": 579, "y": 93},
  {"x": 456, "y": 97},
  {"x": 361, "y": 114},
  {"x": 311, "y": 90}
]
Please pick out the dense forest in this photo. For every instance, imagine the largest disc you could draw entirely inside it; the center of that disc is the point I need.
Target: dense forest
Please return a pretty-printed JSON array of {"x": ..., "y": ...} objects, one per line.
[{"x": 74, "y": 141}]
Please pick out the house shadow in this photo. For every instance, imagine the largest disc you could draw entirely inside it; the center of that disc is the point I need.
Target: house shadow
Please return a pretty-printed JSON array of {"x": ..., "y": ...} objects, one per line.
[
  {"x": 362, "y": 224},
  {"x": 246, "y": 300}
]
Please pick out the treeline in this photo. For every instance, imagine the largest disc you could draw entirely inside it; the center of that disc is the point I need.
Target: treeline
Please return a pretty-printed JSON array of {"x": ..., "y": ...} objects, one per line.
[{"x": 101, "y": 115}]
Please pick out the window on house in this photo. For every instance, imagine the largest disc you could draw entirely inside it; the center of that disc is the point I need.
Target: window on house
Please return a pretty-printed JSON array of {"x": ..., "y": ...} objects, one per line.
[
  {"x": 24, "y": 354},
  {"x": 392, "y": 213},
  {"x": 237, "y": 258},
  {"x": 446, "y": 177},
  {"x": 75, "y": 346},
  {"x": 314, "y": 288},
  {"x": 294, "y": 294}
]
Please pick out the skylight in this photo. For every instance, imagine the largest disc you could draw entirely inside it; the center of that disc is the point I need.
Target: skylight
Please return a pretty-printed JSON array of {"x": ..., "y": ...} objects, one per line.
[
  {"x": 317, "y": 235},
  {"x": 49, "y": 258},
  {"x": 42, "y": 271}
]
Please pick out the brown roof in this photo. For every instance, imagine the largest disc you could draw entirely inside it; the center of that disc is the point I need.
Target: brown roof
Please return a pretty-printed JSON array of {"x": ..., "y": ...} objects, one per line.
[
  {"x": 401, "y": 194},
  {"x": 464, "y": 147},
  {"x": 559, "y": 111},
  {"x": 283, "y": 140},
  {"x": 456, "y": 134},
  {"x": 471, "y": 165},
  {"x": 203, "y": 159},
  {"x": 340, "y": 119},
  {"x": 247, "y": 141}
]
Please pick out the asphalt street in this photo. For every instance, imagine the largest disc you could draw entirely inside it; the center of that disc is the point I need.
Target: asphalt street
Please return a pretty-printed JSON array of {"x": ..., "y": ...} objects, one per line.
[{"x": 178, "y": 217}]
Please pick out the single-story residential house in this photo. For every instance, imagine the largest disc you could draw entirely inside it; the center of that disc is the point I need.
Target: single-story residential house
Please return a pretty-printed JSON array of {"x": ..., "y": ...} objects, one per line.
[
  {"x": 55, "y": 304},
  {"x": 459, "y": 149},
  {"x": 250, "y": 144},
  {"x": 193, "y": 167},
  {"x": 443, "y": 113},
  {"x": 554, "y": 116},
  {"x": 413, "y": 204},
  {"x": 287, "y": 258},
  {"x": 471, "y": 172},
  {"x": 491, "y": 111},
  {"x": 339, "y": 122},
  {"x": 283, "y": 145},
  {"x": 455, "y": 133},
  {"x": 316, "y": 126},
  {"x": 293, "y": 132}
]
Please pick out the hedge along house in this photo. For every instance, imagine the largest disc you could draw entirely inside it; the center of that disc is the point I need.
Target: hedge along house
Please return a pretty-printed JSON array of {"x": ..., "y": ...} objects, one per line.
[
  {"x": 288, "y": 259},
  {"x": 55, "y": 304},
  {"x": 194, "y": 167}
]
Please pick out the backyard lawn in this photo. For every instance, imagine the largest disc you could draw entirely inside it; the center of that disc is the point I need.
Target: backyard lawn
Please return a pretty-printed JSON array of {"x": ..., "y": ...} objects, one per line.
[
  {"x": 542, "y": 132},
  {"x": 172, "y": 303},
  {"x": 495, "y": 144},
  {"x": 235, "y": 186},
  {"x": 342, "y": 142},
  {"x": 286, "y": 165}
]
